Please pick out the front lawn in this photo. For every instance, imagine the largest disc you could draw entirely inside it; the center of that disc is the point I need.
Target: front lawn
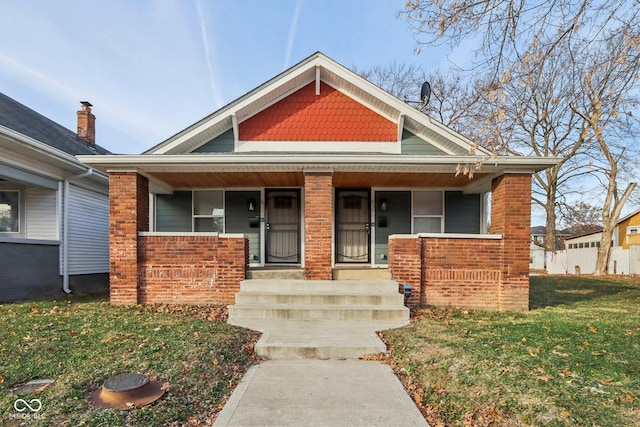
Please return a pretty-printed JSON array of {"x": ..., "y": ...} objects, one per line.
[
  {"x": 574, "y": 359},
  {"x": 79, "y": 342}
]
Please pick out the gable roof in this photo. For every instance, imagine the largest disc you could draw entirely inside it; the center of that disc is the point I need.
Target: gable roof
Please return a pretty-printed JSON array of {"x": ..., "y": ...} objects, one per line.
[
  {"x": 24, "y": 120},
  {"x": 419, "y": 150},
  {"x": 322, "y": 71},
  {"x": 632, "y": 214}
]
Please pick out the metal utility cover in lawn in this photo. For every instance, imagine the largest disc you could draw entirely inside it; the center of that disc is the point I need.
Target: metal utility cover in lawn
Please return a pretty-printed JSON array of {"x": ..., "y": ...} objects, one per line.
[{"x": 127, "y": 391}]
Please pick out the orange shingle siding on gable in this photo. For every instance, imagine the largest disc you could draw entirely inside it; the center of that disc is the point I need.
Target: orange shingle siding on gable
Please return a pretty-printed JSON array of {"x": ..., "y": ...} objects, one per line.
[{"x": 330, "y": 116}]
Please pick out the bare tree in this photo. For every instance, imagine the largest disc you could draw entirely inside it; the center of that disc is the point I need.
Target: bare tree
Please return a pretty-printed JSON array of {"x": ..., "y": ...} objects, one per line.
[
  {"x": 529, "y": 113},
  {"x": 455, "y": 102},
  {"x": 581, "y": 217},
  {"x": 609, "y": 88},
  {"x": 509, "y": 29},
  {"x": 562, "y": 74}
]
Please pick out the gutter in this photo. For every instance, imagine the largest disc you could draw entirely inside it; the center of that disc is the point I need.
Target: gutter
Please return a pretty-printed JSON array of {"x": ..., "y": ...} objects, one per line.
[{"x": 65, "y": 229}]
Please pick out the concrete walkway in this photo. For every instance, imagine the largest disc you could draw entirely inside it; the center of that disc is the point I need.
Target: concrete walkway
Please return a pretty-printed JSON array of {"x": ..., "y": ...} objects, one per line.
[{"x": 313, "y": 392}]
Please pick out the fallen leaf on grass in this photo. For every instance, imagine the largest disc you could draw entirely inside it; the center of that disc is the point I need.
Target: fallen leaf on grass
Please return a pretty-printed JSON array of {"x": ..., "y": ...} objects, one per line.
[
  {"x": 557, "y": 353},
  {"x": 545, "y": 378},
  {"x": 566, "y": 373},
  {"x": 1, "y": 379},
  {"x": 417, "y": 397},
  {"x": 627, "y": 397},
  {"x": 599, "y": 353},
  {"x": 593, "y": 329}
]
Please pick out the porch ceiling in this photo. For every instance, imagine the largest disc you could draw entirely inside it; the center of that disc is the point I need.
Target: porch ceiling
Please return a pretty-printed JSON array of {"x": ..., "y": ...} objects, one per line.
[
  {"x": 296, "y": 179},
  {"x": 230, "y": 179},
  {"x": 398, "y": 180},
  {"x": 169, "y": 172}
]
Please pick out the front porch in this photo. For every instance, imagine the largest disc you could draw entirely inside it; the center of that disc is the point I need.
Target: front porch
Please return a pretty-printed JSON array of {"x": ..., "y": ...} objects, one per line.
[{"x": 444, "y": 268}]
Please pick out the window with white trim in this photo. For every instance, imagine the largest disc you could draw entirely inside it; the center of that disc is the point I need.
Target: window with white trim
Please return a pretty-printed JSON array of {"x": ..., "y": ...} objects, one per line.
[
  {"x": 9, "y": 211},
  {"x": 427, "y": 211},
  {"x": 208, "y": 210}
]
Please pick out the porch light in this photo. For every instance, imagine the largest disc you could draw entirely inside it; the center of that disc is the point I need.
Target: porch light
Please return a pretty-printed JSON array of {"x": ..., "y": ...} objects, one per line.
[
  {"x": 407, "y": 291},
  {"x": 384, "y": 205},
  {"x": 251, "y": 205}
]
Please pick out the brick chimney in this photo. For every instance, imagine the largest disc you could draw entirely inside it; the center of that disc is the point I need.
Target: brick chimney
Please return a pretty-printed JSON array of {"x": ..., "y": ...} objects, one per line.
[{"x": 86, "y": 123}]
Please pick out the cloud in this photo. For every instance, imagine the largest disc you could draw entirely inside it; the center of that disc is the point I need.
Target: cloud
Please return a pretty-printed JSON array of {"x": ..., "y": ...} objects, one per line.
[
  {"x": 127, "y": 119},
  {"x": 292, "y": 34},
  {"x": 29, "y": 75},
  {"x": 215, "y": 89}
]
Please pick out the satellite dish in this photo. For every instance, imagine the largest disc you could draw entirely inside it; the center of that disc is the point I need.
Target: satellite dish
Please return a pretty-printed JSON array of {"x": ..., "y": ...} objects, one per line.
[{"x": 425, "y": 93}]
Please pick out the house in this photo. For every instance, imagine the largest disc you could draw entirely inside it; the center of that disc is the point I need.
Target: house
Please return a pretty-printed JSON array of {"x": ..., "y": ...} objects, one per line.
[
  {"x": 627, "y": 232},
  {"x": 538, "y": 255},
  {"x": 54, "y": 210},
  {"x": 581, "y": 250},
  {"x": 319, "y": 170}
]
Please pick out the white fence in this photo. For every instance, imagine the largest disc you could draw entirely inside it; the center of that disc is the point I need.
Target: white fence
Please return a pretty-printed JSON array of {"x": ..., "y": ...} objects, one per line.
[{"x": 583, "y": 261}]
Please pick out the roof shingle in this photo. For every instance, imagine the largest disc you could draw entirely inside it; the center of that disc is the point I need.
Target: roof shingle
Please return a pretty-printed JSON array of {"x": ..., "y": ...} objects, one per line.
[{"x": 24, "y": 120}]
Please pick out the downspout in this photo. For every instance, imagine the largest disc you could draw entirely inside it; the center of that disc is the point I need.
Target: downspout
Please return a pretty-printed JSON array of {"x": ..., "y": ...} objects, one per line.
[{"x": 65, "y": 229}]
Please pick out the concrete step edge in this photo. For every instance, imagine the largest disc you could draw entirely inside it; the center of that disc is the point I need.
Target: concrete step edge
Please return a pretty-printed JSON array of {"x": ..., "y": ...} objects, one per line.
[{"x": 355, "y": 307}]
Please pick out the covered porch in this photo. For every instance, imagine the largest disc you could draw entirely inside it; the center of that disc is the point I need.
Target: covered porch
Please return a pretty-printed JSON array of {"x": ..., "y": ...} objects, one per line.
[{"x": 411, "y": 215}]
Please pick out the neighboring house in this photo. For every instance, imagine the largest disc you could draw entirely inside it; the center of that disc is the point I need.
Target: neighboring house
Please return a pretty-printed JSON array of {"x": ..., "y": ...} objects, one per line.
[
  {"x": 581, "y": 250},
  {"x": 538, "y": 256},
  {"x": 627, "y": 232},
  {"x": 318, "y": 169},
  {"x": 54, "y": 210}
]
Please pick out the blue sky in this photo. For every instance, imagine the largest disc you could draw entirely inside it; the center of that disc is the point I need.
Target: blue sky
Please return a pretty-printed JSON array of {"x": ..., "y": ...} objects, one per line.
[{"x": 152, "y": 68}]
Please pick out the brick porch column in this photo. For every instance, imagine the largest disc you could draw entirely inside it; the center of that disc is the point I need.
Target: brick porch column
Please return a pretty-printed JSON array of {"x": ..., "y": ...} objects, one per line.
[
  {"x": 318, "y": 225},
  {"x": 511, "y": 217},
  {"x": 128, "y": 214}
]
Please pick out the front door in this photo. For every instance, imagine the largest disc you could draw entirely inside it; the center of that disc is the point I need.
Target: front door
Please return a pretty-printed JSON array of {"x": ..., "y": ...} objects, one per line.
[
  {"x": 282, "y": 226},
  {"x": 353, "y": 223}
]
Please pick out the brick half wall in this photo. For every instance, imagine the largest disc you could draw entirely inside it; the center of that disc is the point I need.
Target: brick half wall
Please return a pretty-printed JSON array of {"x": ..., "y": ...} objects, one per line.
[
  {"x": 191, "y": 269},
  {"x": 461, "y": 273},
  {"x": 448, "y": 272}
]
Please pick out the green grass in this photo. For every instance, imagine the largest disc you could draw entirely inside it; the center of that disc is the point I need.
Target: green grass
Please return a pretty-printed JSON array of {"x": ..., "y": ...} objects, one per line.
[
  {"x": 574, "y": 359},
  {"x": 81, "y": 341}
]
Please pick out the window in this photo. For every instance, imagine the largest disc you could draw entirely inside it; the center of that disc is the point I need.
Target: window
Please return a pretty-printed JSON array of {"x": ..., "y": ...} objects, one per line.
[
  {"x": 427, "y": 211},
  {"x": 208, "y": 211},
  {"x": 9, "y": 211}
]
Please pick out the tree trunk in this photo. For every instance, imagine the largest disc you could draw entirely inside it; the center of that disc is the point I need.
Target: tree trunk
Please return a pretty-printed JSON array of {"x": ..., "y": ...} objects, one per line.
[
  {"x": 550, "y": 208},
  {"x": 610, "y": 215},
  {"x": 604, "y": 251}
]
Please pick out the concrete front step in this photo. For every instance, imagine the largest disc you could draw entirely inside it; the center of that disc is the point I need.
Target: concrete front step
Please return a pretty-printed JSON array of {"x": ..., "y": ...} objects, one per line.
[
  {"x": 320, "y": 319},
  {"x": 317, "y": 312},
  {"x": 350, "y": 273},
  {"x": 275, "y": 273},
  {"x": 319, "y": 298},
  {"x": 319, "y": 339},
  {"x": 310, "y": 286}
]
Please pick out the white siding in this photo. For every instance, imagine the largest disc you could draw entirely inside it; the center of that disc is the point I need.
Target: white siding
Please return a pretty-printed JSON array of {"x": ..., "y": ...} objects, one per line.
[
  {"x": 88, "y": 231},
  {"x": 41, "y": 214}
]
